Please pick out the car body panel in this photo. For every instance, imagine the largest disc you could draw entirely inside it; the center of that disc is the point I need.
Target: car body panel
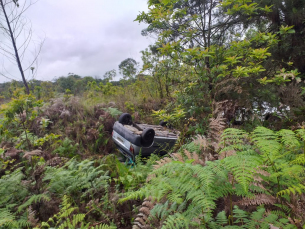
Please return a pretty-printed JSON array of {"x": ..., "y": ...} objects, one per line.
[{"x": 129, "y": 142}]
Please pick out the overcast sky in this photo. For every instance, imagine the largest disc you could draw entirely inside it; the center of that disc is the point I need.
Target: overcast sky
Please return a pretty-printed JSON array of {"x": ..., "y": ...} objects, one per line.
[{"x": 87, "y": 38}]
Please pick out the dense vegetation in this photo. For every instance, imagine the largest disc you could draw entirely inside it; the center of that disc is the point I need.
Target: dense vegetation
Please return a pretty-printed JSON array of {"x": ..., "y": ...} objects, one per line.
[{"x": 228, "y": 74}]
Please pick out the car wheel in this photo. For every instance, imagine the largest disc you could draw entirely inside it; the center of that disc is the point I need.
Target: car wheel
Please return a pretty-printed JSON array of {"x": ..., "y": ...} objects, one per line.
[
  {"x": 163, "y": 123},
  {"x": 147, "y": 137},
  {"x": 125, "y": 119}
]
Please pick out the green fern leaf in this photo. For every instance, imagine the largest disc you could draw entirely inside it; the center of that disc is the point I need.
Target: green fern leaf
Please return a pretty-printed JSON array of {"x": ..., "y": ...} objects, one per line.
[
  {"x": 33, "y": 199},
  {"x": 233, "y": 139},
  {"x": 242, "y": 166},
  {"x": 301, "y": 134},
  {"x": 6, "y": 217},
  {"x": 221, "y": 218},
  {"x": 104, "y": 226},
  {"x": 288, "y": 138}
]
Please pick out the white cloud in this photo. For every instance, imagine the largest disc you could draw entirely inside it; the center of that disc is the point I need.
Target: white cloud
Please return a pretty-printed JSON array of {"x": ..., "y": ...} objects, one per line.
[{"x": 86, "y": 37}]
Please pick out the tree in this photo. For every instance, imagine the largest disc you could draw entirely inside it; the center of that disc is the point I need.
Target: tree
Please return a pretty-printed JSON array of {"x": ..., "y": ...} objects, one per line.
[
  {"x": 279, "y": 14},
  {"x": 232, "y": 55},
  {"x": 18, "y": 33},
  {"x": 109, "y": 75},
  {"x": 161, "y": 68},
  {"x": 128, "y": 68}
]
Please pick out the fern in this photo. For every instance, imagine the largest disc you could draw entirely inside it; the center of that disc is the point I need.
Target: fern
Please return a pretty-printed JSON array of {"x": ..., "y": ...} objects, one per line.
[
  {"x": 267, "y": 142},
  {"x": 66, "y": 149},
  {"x": 243, "y": 219},
  {"x": 221, "y": 218},
  {"x": 293, "y": 189},
  {"x": 9, "y": 220},
  {"x": 6, "y": 217},
  {"x": 288, "y": 138},
  {"x": 177, "y": 220},
  {"x": 299, "y": 160},
  {"x": 33, "y": 199},
  {"x": 242, "y": 167},
  {"x": 261, "y": 167},
  {"x": 78, "y": 179},
  {"x": 233, "y": 139},
  {"x": 114, "y": 112},
  {"x": 12, "y": 190},
  {"x": 74, "y": 222},
  {"x": 65, "y": 219},
  {"x": 301, "y": 134},
  {"x": 240, "y": 216},
  {"x": 179, "y": 181},
  {"x": 104, "y": 226}
]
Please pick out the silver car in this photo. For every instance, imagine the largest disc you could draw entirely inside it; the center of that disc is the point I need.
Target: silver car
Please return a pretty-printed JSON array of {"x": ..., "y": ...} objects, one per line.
[{"x": 134, "y": 139}]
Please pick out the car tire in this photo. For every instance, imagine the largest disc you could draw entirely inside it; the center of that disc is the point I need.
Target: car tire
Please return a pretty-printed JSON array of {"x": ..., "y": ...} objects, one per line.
[
  {"x": 163, "y": 123},
  {"x": 125, "y": 119},
  {"x": 147, "y": 137}
]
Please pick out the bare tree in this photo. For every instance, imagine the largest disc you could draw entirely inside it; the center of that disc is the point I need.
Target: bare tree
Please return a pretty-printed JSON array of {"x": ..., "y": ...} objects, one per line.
[{"x": 17, "y": 34}]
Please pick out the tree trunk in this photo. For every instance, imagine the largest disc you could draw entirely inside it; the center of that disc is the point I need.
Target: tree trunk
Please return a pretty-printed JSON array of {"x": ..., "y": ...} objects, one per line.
[{"x": 15, "y": 48}]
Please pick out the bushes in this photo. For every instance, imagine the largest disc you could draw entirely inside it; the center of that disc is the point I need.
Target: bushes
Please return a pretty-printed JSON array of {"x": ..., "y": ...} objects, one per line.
[{"x": 264, "y": 167}]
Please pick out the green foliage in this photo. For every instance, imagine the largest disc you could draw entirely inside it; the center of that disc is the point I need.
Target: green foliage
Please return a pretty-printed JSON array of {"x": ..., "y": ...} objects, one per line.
[
  {"x": 132, "y": 178},
  {"x": 33, "y": 199},
  {"x": 48, "y": 138},
  {"x": 104, "y": 226},
  {"x": 66, "y": 148},
  {"x": 242, "y": 219},
  {"x": 77, "y": 179},
  {"x": 10, "y": 221},
  {"x": 14, "y": 191},
  {"x": 65, "y": 218},
  {"x": 262, "y": 156},
  {"x": 173, "y": 118},
  {"x": 18, "y": 115},
  {"x": 128, "y": 68},
  {"x": 211, "y": 58},
  {"x": 114, "y": 112},
  {"x": 180, "y": 182},
  {"x": 130, "y": 107},
  {"x": 108, "y": 88}
]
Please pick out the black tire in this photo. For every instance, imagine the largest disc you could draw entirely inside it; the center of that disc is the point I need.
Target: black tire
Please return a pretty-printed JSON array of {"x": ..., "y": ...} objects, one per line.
[
  {"x": 162, "y": 123},
  {"x": 147, "y": 137},
  {"x": 125, "y": 119}
]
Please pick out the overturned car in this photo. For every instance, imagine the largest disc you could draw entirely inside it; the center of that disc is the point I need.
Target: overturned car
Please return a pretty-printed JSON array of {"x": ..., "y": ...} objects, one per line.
[{"x": 133, "y": 139}]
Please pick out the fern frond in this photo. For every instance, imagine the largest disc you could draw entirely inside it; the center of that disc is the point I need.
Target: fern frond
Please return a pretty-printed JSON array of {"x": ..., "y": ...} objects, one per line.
[
  {"x": 162, "y": 162},
  {"x": 66, "y": 209},
  {"x": 243, "y": 166},
  {"x": 266, "y": 141},
  {"x": 259, "y": 199},
  {"x": 6, "y": 217},
  {"x": 299, "y": 160},
  {"x": 288, "y": 138},
  {"x": 9, "y": 220},
  {"x": 75, "y": 176},
  {"x": 194, "y": 157},
  {"x": 104, "y": 226},
  {"x": 294, "y": 189},
  {"x": 240, "y": 216},
  {"x": 74, "y": 222},
  {"x": 33, "y": 199},
  {"x": 193, "y": 188},
  {"x": 216, "y": 126},
  {"x": 233, "y": 139},
  {"x": 301, "y": 133},
  {"x": 221, "y": 218},
  {"x": 177, "y": 220},
  {"x": 200, "y": 141}
]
